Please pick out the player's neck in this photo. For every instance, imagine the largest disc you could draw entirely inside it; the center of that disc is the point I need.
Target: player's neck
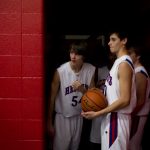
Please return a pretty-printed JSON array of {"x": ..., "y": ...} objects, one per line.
[
  {"x": 122, "y": 52},
  {"x": 76, "y": 68}
]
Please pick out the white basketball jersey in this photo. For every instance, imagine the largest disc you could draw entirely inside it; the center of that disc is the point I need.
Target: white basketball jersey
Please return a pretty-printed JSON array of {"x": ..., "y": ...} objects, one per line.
[
  {"x": 68, "y": 101},
  {"x": 146, "y": 108},
  {"x": 112, "y": 85}
]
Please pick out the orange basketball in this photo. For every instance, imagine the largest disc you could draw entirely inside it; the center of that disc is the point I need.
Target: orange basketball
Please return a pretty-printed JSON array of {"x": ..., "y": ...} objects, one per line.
[{"x": 93, "y": 100}]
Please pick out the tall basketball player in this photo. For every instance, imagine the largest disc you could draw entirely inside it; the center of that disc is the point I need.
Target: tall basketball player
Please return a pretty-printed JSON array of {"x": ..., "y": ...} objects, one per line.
[
  {"x": 121, "y": 97},
  {"x": 103, "y": 72},
  {"x": 141, "y": 111},
  {"x": 70, "y": 81}
]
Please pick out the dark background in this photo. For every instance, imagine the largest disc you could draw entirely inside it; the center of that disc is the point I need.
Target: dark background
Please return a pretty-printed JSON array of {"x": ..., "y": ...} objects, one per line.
[{"x": 94, "y": 18}]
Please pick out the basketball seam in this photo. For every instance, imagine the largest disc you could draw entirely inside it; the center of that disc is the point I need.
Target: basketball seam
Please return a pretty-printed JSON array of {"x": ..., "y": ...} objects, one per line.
[
  {"x": 94, "y": 102},
  {"x": 88, "y": 105},
  {"x": 101, "y": 94}
]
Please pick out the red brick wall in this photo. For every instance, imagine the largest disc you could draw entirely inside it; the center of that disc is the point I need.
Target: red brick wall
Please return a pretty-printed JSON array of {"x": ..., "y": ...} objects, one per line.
[{"x": 21, "y": 75}]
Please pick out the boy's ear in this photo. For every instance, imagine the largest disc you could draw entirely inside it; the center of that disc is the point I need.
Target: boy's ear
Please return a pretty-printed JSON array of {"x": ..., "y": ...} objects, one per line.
[
  {"x": 138, "y": 57},
  {"x": 125, "y": 40}
]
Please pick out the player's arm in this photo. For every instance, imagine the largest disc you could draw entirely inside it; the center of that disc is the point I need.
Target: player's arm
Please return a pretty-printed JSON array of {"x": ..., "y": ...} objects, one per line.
[
  {"x": 53, "y": 92},
  {"x": 141, "y": 85},
  {"x": 125, "y": 73}
]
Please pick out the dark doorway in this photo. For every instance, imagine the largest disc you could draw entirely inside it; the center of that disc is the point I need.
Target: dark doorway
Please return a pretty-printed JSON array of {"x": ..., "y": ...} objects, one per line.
[{"x": 87, "y": 18}]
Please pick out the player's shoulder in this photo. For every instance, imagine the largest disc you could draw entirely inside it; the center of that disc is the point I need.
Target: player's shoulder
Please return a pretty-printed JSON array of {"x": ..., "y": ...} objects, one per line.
[
  {"x": 89, "y": 67},
  {"x": 103, "y": 68},
  {"x": 86, "y": 64},
  {"x": 142, "y": 70},
  {"x": 63, "y": 67},
  {"x": 125, "y": 61},
  {"x": 125, "y": 58}
]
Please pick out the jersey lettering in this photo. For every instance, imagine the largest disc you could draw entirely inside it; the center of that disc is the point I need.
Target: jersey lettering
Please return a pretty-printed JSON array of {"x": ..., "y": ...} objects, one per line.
[
  {"x": 109, "y": 80},
  {"x": 70, "y": 89}
]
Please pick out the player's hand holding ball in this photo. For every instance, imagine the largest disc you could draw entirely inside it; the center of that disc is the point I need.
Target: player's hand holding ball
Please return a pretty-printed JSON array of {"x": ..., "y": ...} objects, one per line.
[{"x": 92, "y": 101}]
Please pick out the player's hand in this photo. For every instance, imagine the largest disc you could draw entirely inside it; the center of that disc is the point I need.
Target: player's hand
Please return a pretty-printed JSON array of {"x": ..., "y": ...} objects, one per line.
[
  {"x": 77, "y": 85},
  {"x": 89, "y": 114}
]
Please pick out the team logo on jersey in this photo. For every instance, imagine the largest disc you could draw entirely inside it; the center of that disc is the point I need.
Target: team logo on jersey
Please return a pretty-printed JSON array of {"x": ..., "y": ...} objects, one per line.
[{"x": 69, "y": 89}]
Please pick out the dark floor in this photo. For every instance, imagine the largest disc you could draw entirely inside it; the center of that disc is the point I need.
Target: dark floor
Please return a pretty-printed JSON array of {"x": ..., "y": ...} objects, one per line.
[{"x": 85, "y": 144}]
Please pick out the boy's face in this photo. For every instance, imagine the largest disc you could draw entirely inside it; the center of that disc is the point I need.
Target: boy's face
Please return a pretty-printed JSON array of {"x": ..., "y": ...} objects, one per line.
[
  {"x": 115, "y": 43},
  {"x": 75, "y": 58}
]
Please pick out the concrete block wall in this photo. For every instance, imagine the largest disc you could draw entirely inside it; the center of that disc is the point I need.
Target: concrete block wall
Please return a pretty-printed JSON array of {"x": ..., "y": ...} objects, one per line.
[{"x": 21, "y": 75}]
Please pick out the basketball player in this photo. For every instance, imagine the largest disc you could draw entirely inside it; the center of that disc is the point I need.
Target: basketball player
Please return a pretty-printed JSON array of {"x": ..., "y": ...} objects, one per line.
[
  {"x": 70, "y": 81},
  {"x": 141, "y": 111},
  {"x": 121, "y": 97},
  {"x": 95, "y": 136}
]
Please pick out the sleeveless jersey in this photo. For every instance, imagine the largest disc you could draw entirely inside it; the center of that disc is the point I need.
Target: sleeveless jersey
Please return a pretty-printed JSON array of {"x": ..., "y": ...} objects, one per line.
[
  {"x": 146, "y": 108},
  {"x": 112, "y": 85},
  {"x": 68, "y": 101}
]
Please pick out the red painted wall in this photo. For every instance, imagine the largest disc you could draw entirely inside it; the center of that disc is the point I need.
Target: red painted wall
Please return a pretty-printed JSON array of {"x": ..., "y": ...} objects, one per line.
[{"x": 21, "y": 75}]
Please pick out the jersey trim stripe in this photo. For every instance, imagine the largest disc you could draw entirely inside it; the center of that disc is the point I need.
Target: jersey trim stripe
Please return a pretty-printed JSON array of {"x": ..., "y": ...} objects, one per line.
[
  {"x": 113, "y": 130},
  {"x": 144, "y": 73},
  {"x": 130, "y": 63}
]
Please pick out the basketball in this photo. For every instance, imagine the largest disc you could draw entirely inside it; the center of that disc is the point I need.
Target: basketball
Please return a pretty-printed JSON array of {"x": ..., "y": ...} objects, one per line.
[{"x": 93, "y": 100}]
